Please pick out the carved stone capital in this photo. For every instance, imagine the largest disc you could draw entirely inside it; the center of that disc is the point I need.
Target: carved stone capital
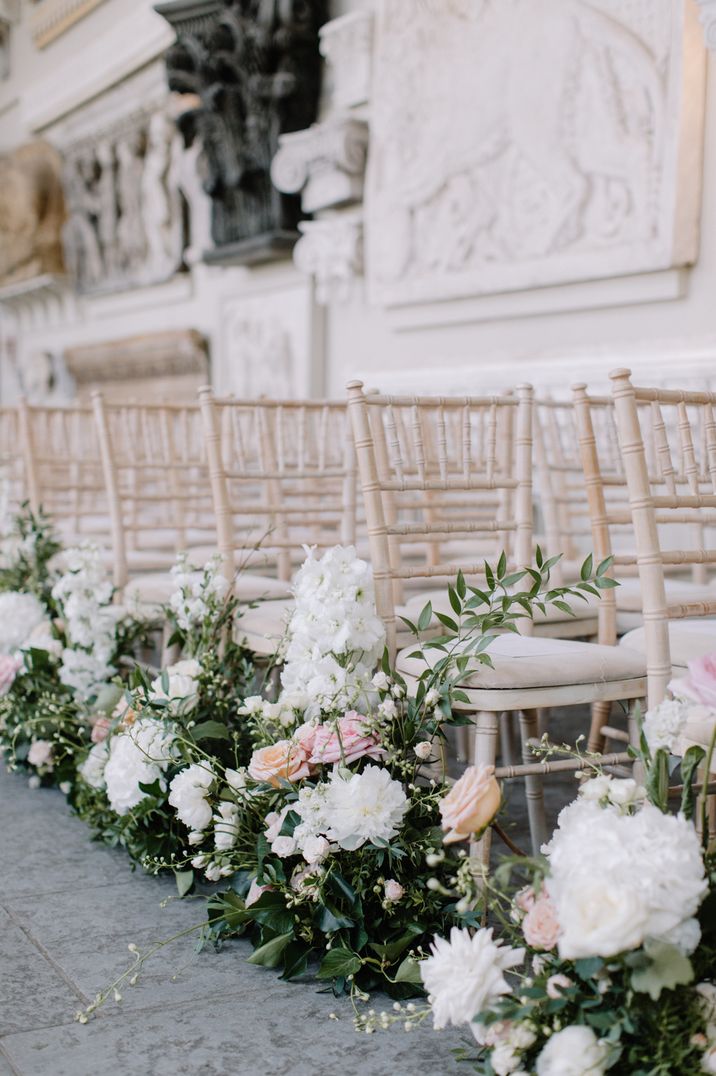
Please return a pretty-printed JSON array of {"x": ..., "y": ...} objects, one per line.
[
  {"x": 326, "y": 163},
  {"x": 707, "y": 14},
  {"x": 346, "y": 45},
  {"x": 331, "y": 251}
]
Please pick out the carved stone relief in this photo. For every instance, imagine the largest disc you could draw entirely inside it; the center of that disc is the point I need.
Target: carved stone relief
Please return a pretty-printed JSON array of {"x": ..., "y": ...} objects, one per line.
[
  {"x": 326, "y": 163},
  {"x": 253, "y": 70},
  {"x": 32, "y": 213},
  {"x": 331, "y": 251},
  {"x": 268, "y": 345},
  {"x": 9, "y": 14},
  {"x": 561, "y": 143},
  {"x": 347, "y": 47},
  {"x": 170, "y": 365},
  {"x": 49, "y": 19}
]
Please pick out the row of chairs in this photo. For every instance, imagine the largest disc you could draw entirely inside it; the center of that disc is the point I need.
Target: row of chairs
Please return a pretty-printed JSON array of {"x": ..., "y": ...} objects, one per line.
[{"x": 446, "y": 482}]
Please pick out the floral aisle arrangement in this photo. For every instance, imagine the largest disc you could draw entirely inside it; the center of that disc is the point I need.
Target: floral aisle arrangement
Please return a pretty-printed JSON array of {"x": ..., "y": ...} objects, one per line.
[
  {"x": 61, "y": 642},
  {"x": 185, "y": 720},
  {"x": 332, "y": 836},
  {"x": 602, "y": 955}
]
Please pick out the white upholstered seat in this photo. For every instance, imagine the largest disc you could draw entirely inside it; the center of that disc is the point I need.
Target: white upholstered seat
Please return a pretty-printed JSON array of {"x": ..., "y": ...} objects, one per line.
[{"x": 688, "y": 639}]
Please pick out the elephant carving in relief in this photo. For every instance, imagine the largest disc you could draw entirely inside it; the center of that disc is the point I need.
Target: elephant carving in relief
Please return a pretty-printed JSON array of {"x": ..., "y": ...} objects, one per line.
[{"x": 32, "y": 213}]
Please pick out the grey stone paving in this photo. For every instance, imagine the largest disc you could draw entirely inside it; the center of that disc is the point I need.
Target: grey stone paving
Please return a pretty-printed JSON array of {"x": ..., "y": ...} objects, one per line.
[{"x": 68, "y": 910}]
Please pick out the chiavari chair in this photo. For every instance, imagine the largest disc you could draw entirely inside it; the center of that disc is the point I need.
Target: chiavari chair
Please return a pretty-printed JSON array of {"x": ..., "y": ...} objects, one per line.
[
  {"x": 13, "y": 481},
  {"x": 528, "y": 672}
]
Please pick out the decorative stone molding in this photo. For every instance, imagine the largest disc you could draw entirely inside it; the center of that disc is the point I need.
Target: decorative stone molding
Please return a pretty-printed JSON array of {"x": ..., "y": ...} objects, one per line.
[
  {"x": 49, "y": 19},
  {"x": 252, "y": 71},
  {"x": 707, "y": 15},
  {"x": 9, "y": 14},
  {"x": 347, "y": 46},
  {"x": 582, "y": 162},
  {"x": 32, "y": 213},
  {"x": 331, "y": 251},
  {"x": 326, "y": 163},
  {"x": 162, "y": 360}
]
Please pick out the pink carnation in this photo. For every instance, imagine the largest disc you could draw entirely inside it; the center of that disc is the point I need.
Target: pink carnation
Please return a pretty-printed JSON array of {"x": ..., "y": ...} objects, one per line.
[
  {"x": 700, "y": 684},
  {"x": 9, "y": 667},
  {"x": 345, "y": 741}
]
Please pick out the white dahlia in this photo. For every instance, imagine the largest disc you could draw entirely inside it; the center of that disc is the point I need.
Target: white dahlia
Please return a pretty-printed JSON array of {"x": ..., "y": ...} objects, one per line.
[{"x": 362, "y": 807}]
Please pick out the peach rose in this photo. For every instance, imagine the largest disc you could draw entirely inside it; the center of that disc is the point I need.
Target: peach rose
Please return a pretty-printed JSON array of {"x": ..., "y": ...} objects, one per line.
[
  {"x": 280, "y": 761},
  {"x": 471, "y": 804},
  {"x": 541, "y": 926},
  {"x": 100, "y": 729},
  {"x": 344, "y": 740}
]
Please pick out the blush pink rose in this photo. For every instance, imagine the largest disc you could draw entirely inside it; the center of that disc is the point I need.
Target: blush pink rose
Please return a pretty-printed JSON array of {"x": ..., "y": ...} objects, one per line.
[
  {"x": 345, "y": 740},
  {"x": 280, "y": 761},
  {"x": 9, "y": 667},
  {"x": 305, "y": 735},
  {"x": 700, "y": 684},
  {"x": 100, "y": 729},
  {"x": 525, "y": 899},
  {"x": 471, "y": 804},
  {"x": 540, "y": 926},
  {"x": 393, "y": 890}
]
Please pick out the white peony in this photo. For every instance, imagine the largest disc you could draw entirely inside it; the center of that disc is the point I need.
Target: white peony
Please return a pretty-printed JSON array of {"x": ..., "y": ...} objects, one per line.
[
  {"x": 574, "y": 1051},
  {"x": 182, "y": 686},
  {"x": 188, "y": 795},
  {"x": 466, "y": 975},
  {"x": 92, "y": 769},
  {"x": 362, "y": 807},
  {"x": 19, "y": 616},
  {"x": 226, "y": 826},
  {"x": 139, "y": 754},
  {"x": 617, "y": 878},
  {"x": 664, "y": 724}
]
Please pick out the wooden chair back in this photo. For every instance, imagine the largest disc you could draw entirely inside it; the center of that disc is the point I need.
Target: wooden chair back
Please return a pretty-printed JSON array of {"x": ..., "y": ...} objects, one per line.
[
  {"x": 157, "y": 480},
  {"x": 283, "y": 475},
  {"x": 13, "y": 482},
  {"x": 442, "y": 475}
]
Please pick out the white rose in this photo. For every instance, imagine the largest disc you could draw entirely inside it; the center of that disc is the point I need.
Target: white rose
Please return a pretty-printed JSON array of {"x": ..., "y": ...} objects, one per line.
[
  {"x": 40, "y": 753},
  {"x": 315, "y": 849},
  {"x": 432, "y": 697},
  {"x": 596, "y": 788},
  {"x": 284, "y": 846},
  {"x": 182, "y": 685},
  {"x": 380, "y": 681},
  {"x": 574, "y": 1051},
  {"x": 423, "y": 749},
  {"x": 235, "y": 779}
]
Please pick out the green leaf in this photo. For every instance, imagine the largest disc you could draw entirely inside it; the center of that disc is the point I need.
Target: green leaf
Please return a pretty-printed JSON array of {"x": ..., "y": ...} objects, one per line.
[
  {"x": 330, "y": 920},
  {"x": 269, "y": 955},
  {"x": 586, "y": 569},
  {"x": 409, "y": 971},
  {"x": 460, "y": 585},
  {"x": 210, "y": 730},
  {"x": 339, "y": 962},
  {"x": 668, "y": 968},
  {"x": 657, "y": 780},
  {"x": 501, "y": 566},
  {"x": 184, "y": 881},
  {"x": 454, "y": 600},
  {"x": 689, "y": 763},
  {"x": 587, "y": 967},
  {"x": 425, "y": 617}
]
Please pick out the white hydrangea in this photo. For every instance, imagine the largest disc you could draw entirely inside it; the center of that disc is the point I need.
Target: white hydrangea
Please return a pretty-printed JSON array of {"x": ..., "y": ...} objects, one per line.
[
  {"x": 618, "y": 878},
  {"x": 182, "y": 686},
  {"x": 188, "y": 794},
  {"x": 465, "y": 975},
  {"x": 574, "y": 1051},
  {"x": 199, "y": 594},
  {"x": 92, "y": 769},
  {"x": 664, "y": 724},
  {"x": 139, "y": 754},
  {"x": 20, "y": 614},
  {"x": 334, "y": 618}
]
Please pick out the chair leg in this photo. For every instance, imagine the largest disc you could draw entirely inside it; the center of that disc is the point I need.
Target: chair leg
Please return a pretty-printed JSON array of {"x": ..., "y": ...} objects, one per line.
[
  {"x": 600, "y": 717},
  {"x": 638, "y": 769},
  {"x": 484, "y": 753},
  {"x": 462, "y": 743},
  {"x": 534, "y": 788},
  {"x": 508, "y": 739},
  {"x": 170, "y": 654}
]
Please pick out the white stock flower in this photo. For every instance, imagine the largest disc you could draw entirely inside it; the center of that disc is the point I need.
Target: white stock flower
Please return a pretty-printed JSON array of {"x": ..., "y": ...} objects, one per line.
[
  {"x": 617, "y": 878},
  {"x": 226, "y": 826},
  {"x": 139, "y": 754},
  {"x": 20, "y": 614},
  {"x": 664, "y": 724},
  {"x": 199, "y": 594},
  {"x": 41, "y": 638},
  {"x": 182, "y": 686},
  {"x": 92, "y": 769},
  {"x": 84, "y": 672},
  {"x": 574, "y": 1051},
  {"x": 188, "y": 793},
  {"x": 365, "y": 806},
  {"x": 465, "y": 975}
]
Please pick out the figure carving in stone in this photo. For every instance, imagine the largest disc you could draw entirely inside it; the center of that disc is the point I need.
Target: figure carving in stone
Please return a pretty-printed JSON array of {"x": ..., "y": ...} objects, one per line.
[
  {"x": 253, "y": 70},
  {"x": 131, "y": 238},
  {"x": 545, "y": 141},
  {"x": 160, "y": 199},
  {"x": 32, "y": 212},
  {"x": 81, "y": 234}
]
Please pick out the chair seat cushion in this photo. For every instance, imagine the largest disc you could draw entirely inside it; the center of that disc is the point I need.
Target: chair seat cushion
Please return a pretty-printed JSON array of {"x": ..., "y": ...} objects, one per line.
[
  {"x": 688, "y": 639},
  {"x": 629, "y": 600},
  {"x": 583, "y": 610},
  {"x": 156, "y": 588},
  {"x": 526, "y": 662}
]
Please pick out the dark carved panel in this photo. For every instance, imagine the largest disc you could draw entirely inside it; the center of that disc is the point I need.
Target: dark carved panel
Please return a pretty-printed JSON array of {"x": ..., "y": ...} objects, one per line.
[{"x": 250, "y": 70}]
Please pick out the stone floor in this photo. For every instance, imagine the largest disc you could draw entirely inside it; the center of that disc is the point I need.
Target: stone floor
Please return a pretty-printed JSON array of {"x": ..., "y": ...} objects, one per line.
[{"x": 69, "y": 909}]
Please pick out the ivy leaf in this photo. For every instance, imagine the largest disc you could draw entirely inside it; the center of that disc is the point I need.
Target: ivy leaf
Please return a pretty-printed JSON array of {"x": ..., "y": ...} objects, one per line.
[
  {"x": 339, "y": 962},
  {"x": 668, "y": 967},
  {"x": 269, "y": 955},
  {"x": 184, "y": 881},
  {"x": 210, "y": 730},
  {"x": 409, "y": 972}
]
